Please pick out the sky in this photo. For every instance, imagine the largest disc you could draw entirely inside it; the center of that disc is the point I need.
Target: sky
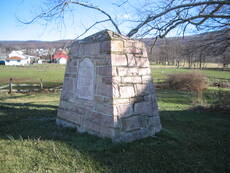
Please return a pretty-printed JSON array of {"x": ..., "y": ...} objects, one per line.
[
  {"x": 75, "y": 21},
  {"x": 13, "y": 10}
]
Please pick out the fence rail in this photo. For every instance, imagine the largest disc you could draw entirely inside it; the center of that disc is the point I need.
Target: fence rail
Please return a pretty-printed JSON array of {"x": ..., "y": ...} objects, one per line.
[
  {"x": 9, "y": 87},
  {"x": 39, "y": 86}
]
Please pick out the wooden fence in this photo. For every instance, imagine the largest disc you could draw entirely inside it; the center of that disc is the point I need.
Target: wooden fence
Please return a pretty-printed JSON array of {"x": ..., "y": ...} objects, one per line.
[
  {"x": 21, "y": 88},
  {"x": 12, "y": 87}
]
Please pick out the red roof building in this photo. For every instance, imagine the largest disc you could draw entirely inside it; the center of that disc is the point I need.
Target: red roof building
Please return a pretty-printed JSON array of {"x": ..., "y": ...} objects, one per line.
[{"x": 60, "y": 54}]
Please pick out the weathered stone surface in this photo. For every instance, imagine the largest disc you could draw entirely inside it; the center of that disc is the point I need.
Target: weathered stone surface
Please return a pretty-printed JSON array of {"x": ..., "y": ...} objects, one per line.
[
  {"x": 144, "y": 71},
  {"x": 134, "y": 122},
  {"x": 127, "y": 91},
  {"x": 108, "y": 89},
  {"x": 118, "y": 60},
  {"x": 131, "y": 79},
  {"x": 69, "y": 84},
  {"x": 141, "y": 89},
  {"x": 105, "y": 109},
  {"x": 146, "y": 79},
  {"x": 143, "y": 108},
  {"x": 106, "y": 71},
  {"x": 142, "y": 62},
  {"x": 133, "y": 50},
  {"x": 104, "y": 89},
  {"x": 123, "y": 110},
  {"x": 131, "y": 60},
  {"x": 117, "y": 46},
  {"x": 126, "y": 71},
  {"x": 85, "y": 80}
]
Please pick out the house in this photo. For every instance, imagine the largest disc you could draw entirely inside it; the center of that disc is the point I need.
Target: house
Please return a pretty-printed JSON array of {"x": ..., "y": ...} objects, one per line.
[
  {"x": 17, "y": 58},
  {"x": 40, "y": 61},
  {"x": 60, "y": 57}
]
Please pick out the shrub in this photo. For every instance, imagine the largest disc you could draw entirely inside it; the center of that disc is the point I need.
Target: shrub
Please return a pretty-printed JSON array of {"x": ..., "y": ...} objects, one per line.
[
  {"x": 191, "y": 81},
  {"x": 221, "y": 100}
]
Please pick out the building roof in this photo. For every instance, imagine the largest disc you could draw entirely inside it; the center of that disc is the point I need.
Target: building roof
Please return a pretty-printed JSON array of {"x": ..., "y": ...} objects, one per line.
[
  {"x": 17, "y": 54},
  {"x": 60, "y": 54},
  {"x": 14, "y": 58}
]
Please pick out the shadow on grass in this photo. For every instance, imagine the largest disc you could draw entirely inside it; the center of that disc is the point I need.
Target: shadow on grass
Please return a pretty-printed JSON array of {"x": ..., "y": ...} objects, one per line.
[{"x": 190, "y": 141}]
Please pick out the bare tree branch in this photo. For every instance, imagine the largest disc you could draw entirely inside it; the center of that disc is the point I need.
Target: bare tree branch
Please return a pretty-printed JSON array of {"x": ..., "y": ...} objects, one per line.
[
  {"x": 63, "y": 4},
  {"x": 151, "y": 18}
]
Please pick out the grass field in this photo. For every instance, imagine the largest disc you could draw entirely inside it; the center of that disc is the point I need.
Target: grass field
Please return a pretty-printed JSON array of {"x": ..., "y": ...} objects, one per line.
[
  {"x": 51, "y": 74},
  {"x": 192, "y": 140},
  {"x": 161, "y": 73}
]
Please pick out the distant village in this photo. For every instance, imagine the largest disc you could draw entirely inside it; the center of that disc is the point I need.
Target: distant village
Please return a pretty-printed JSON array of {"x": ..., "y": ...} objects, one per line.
[{"x": 24, "y": 57}]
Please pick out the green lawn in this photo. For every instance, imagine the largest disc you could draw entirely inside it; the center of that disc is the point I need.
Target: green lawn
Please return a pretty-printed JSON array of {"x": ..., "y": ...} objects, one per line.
[
  {"x": 161, "y": 73},
  {"x": 192, "y": 140},
  {"x": 51, "y": 74}
]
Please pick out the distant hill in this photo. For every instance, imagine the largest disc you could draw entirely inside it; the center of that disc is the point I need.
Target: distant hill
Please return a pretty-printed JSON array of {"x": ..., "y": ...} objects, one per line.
[
  {"x": 212, "y": 46},
  {"x": 205, "y": 47},
  {"x": 33, "y": 47},
  {"x": 34, "y": 44}
]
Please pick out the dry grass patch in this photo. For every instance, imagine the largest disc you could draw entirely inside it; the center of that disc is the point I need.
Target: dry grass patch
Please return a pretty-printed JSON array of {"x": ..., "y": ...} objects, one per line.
[{"x": 191, "y": 81}]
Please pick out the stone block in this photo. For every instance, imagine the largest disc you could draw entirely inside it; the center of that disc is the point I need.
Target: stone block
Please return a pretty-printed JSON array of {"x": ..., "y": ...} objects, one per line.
[
  {"x": 127, "y": 91},
  {"x": 106, "y": 71},
  {"x": 123, "y": 110},
  {"x": 105, "y": 47},
  {"x": 101, "y": 119},
  {"x": 143, "y": 108},
  {"x": 131, "y": 60},
  {"x": 127, "y": 71},
  {"x": 118, "y": 60},
  {"x": 117, "y": 101},
  {"x": 146, "y": 79},
  {"x": 103, "y": 99},
  {"x": 144, "y": 71},
  {"x": 103, "y": 89},
  {"x": 117, "y": 46},
  {"x": 116, "y": 93},
  {"x": 129, "y": 43},
  {"x": 104, "y": 108},
  {"x": 133, "y": 50},
  {"x": 131, "y": 79},
  {"x": 141, "y": 89},
  {"x": 134, "y": 122},
  {"x": 69, "y": 84},
  {"x": 142, "y": 62},
  {"x": 92, "y": 49}
]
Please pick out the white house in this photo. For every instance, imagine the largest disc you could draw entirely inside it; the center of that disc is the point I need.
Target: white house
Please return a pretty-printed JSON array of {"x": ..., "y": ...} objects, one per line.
[
  {"x": 62, "y": 61},
  {"x": 17, "y": 58},
  {"x": 16, "y": 61},
  {"x": 60, "y": 57}
]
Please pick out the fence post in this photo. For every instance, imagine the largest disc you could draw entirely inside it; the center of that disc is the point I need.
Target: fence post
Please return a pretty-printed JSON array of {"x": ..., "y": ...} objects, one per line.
[
  {"x": 41, "y": 84},
  {"x": 10, "y": 86}
]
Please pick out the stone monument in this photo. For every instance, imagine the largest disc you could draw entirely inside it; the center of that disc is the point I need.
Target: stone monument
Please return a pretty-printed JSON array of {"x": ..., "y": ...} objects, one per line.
[{"x": 108, "y": 89}]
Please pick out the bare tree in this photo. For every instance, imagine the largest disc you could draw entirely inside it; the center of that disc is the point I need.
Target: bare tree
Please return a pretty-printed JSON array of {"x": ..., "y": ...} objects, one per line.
[
  {"x": 162, "y": 18},
  {"x": 155, "y": 18}
]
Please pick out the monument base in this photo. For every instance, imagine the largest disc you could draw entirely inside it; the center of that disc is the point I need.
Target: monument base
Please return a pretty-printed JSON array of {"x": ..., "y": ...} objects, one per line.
[{"x": 108, "y": 89}]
